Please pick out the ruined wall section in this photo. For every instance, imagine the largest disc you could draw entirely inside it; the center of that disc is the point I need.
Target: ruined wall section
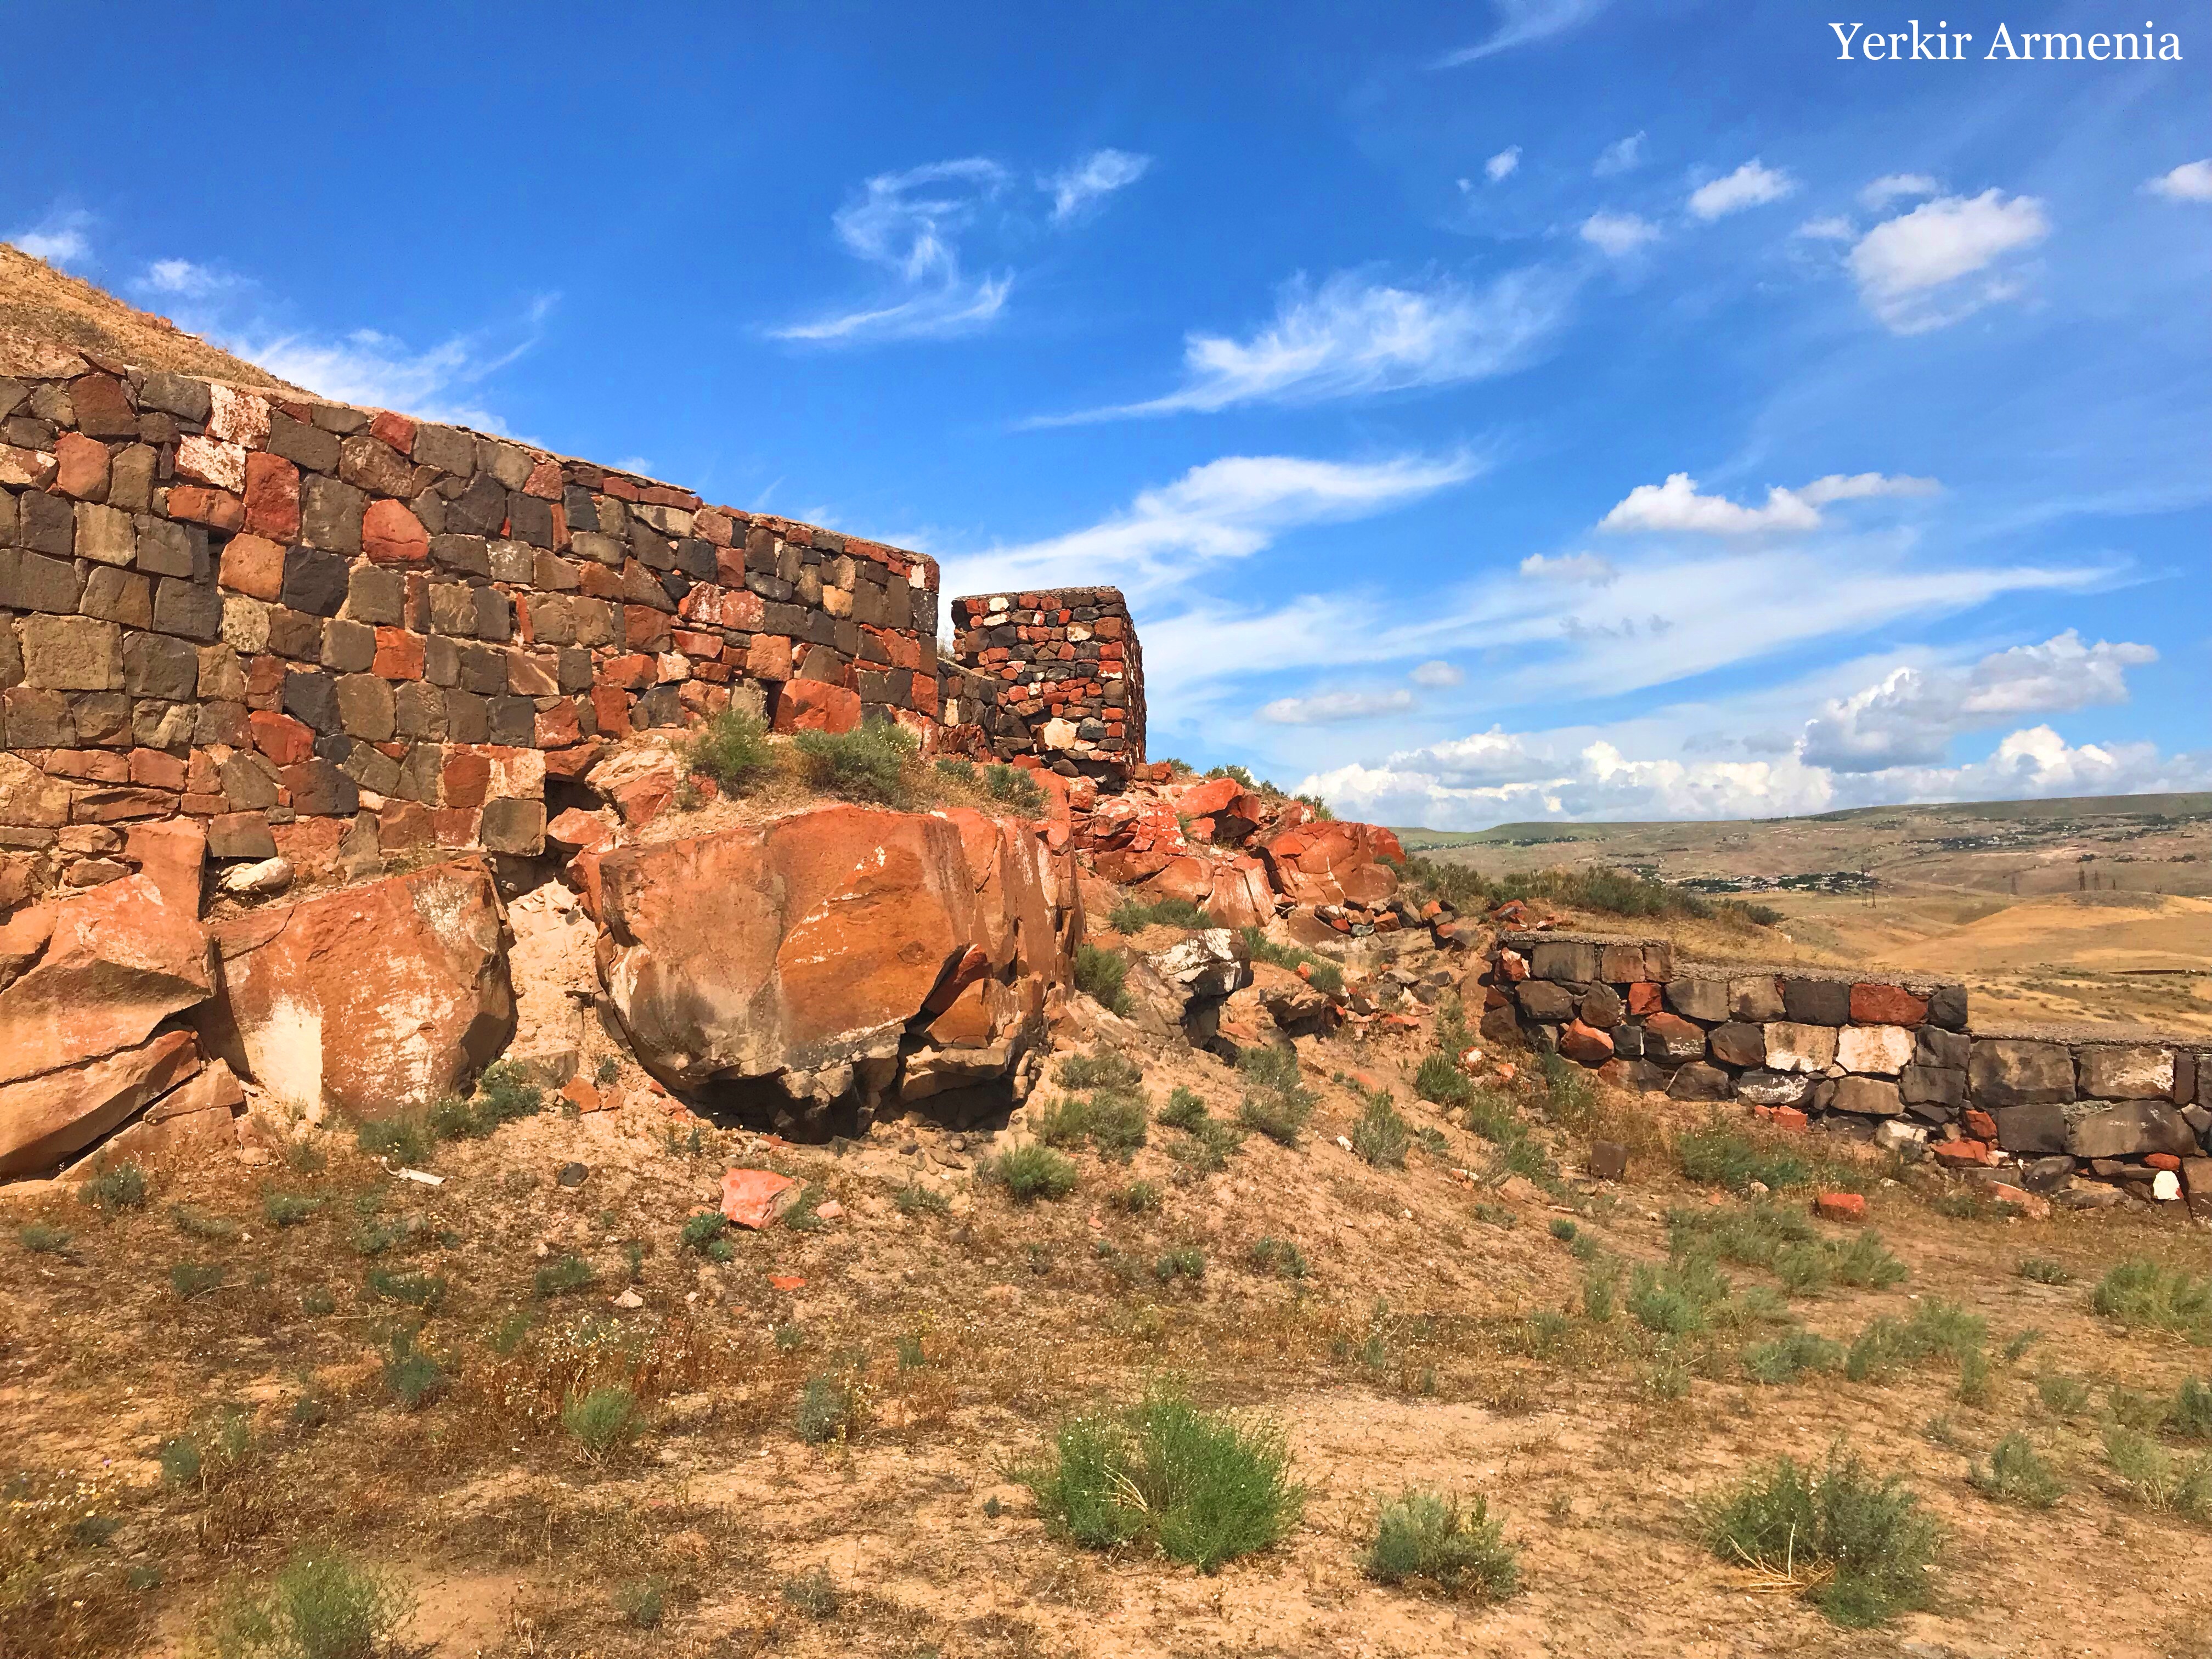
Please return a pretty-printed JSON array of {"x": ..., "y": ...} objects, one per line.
[
  {"x": 1069, "y": 674},
  {"x": 301, "y": 624}
]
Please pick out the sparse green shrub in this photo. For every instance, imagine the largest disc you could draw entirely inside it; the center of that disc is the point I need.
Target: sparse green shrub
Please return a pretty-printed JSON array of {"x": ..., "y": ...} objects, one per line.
[
  {"x": 1866, "y": 1263},
  {"x": 1721, "y": 1155},
  {"x": 912, "y": 1357},
  {"x": 1678, "y": 1300},
  {"x": 423, "y": 1291},
  {"x": 2147, "y": 1295},
  {"x": 1117, "y": 1124},
  {"x": 1460, "y": 1550},
  {"x": 406, "y": 1139},
  {"x": 1379, "y": 1135},
  {"x": 1280, "y": 1120},
  {"x": 180, "y": 1460},
  {"x": 1099, "y": 973},
  {"x": 1562, "y": 1229},
  {"x": 1600, "y": 1291},
  {"x": 702, "y": 1228},
  {"x": 602, "y": 1420},
  {"x": 289, "y": 1209},
  {"x": 192, "y": 1278},
  {"x": 1322, "y": 974},
  {"x": 803, "y": 1215},
  {"x": 2156, "y": 1478},
  {"x": 1015, "y": 786},
  {"x": 1028, "y": 1173},
  {"x": 1139, "y": 1198},
  {"x": 318, "y": 1607},
  {"x": 564, "y": 1274},
  {"x": 116, "y": 1187},
  {"x": 732, "y": 749},
  {"x": 1132, "y": 916},
  {"x": 829, "y": 1409},
  {"x": 1788, "y": 1358},
  {"x": 2063, "y": 1394},
  {"x": 872, "y": 762},
  {"x": 1108, "y": 1069},
  {"x": 1184, "y": 1263},
  {"x": 373, "y": 1237},
  {"x": 1439, "y": 1080},
  {"x": 2191, "y": 1414},
  {"x": 644, "y": 1603},
  {"x": 1938, "y": 1328},
  {"x": 196, "y": 1223},
  {"x": 1862, "y": 1546},
  {"x": 814, "y": 1593},
  {"x": 316, "y": 1301},
  {"x": 2016, "y": 1474},
  {"x": 915, "y": 1199},
  {"x": 503, "y": 1094},
  {"x": 40, "y": 1238},
  {"x": 1200, "y": 1488},
  {"x": 412, "y": 1376},
  {"x": 1280, "y": 1255},
  {"x": 1184, "y": 1110},
  {"x": 2043, "y": 1271}
]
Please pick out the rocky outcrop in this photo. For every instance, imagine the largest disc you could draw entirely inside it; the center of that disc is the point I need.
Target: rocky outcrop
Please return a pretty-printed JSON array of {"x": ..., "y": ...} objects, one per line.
[
  {"x": 367, "y": 1001},
  {"x": 817, "y": 967}
]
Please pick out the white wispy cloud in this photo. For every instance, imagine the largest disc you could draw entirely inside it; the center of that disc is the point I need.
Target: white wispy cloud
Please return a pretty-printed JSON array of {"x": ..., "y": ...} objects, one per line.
[
  {"x": 1586, "y": 567},
  {"x": 187, "y": 280},
  {"x": 1897, "y": 186},
  {"x": 1335, "y": 707},
  {"x": 1356, "y": 337},
  {"x": 1501, "y": 165},
  {"x": 1082, "y": 183},
  {"x": 1617, "y": 233},
  {"x": 1437, "y": 675},
  {"x": 63, "y": 238},
  {"x": 1520, "y": 22},
  {"x": 1833, "y": 229},
  {"x": 1749, "y": 186},
  {"x": 1622, "y": 155},
  {"x": 1676, "y": 506},
  {"x": 1226, "y": 509},
  {"x": 1912, "y": 270},
  {"x": 1910, "y": 716},
  {"x": 2190, "y": 182},
  {"x": 909, "y": 225}
]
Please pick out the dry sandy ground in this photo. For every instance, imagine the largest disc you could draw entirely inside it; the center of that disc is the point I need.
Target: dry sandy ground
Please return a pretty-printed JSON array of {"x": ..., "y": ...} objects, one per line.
[
  {"x": 1430, "y": 1343},
  {"x": 45, "y": 304}
]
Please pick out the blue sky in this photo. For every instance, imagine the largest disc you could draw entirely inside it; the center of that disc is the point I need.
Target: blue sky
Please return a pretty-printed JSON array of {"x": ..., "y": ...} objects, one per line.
[{"x": 1535, "y": 408}]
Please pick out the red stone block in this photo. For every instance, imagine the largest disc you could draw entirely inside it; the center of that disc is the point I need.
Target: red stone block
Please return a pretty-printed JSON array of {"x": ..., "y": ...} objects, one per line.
[
  {"x": 265, "y": 679},
  {"x": 1978, "y": 1124},
  {"x": 557, "y": 727},
  {"x": 706, "y": 647},
  {"x": 394, "y": 429},
  {"x": 768, "y": 658},
  {"x": 1963, "y": 1153},
  {"x": 730, "y": 566},
  {"x": 571, "y": 764},
  {"x": 467, "y": 777},
  {"x": 392, "y": 534},
  {"x": 398, "y": 655},
  {"x": 710, "y": 607},
  {"x": 1886, "y": 1005},
  {"x": 286, "y": 741},
  {"x": 610, "y": 709},
  {"x": 544, "y": 483},
  {"x": 272, "y": 496},
  {"x": 253, "y": 566},
  {"x": 630, "y": 673},
  {"x": 1585, "y": 1045},
  {"x": 714, "y": 674},
  {"x": 1644, "y": 997},
  {"x": 812, "y": 706},
  {"x": 82, "y": 470},
  {"x": 644, "y": 629},
  {"x": 218, "y": 509},
  {"x": 2163, "y": 1161},
  {"x": 404, "y": 824},
  {"x": 597, "y": 582},
  {"x": 155, "y": 769},
  {"x": 1840, "y": 1206},
  {"x": 621, "y": 489},
  {"x": 455, "y": 826}
]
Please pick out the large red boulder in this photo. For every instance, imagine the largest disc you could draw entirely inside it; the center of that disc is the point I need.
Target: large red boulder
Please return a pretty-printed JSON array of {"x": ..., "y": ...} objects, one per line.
[
  {"x": 369, "y": 1001},
  {"x": 1333, "y": 863},
  {"x": 45, "y": 1118},
  {"x": 792, "y": 967}
]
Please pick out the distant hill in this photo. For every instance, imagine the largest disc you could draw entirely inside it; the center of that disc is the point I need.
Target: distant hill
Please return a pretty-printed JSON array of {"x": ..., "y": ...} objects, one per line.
[{"x": 42, "y": 303}]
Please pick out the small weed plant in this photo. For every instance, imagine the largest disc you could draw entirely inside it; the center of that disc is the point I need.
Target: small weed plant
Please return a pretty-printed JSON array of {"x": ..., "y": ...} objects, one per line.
[
  {"x": 1460, "y": 1549},
  {"x": 316, "y": 1607},
  {"x": 1860, "y": 1547},
  {"x": 732, "y": 749},
  {"x": 1030, "y": 1173},
  {"x": 874, "y": 763},
  {"x": 2016, "y": 1474},
  {"x": 117, "y": 1186},
  {"x": 1379, "y": 1134},
  {"x": 1132, "y": 916},
  {"x": 2157, "y": 1479},
  {"x": 602, "y": 1420},
  {"x": 1099, "y": 973},
  {"x": 2146, "y": 1295}
]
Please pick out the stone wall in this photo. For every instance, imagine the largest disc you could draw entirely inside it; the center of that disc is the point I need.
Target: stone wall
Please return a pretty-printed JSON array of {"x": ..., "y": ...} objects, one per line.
[
  {"x": 1069, "y": 673},
  {"x": 306, "y": 627},
  {"x": 1891, "y": 1057}
]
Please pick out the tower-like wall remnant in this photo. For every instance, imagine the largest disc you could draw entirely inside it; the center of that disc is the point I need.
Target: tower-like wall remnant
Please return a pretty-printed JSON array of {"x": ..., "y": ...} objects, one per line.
[
  {"x": 1068, "y": 673},
  {"x": 298, "y": 624}
]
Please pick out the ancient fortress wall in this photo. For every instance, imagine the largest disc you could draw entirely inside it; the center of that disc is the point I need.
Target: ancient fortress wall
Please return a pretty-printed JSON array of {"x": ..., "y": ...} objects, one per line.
[
  {"x": 1892, "y": 1056},
  {"x": 1068, "y": 674},
  {"x": 294, "y": 621}
]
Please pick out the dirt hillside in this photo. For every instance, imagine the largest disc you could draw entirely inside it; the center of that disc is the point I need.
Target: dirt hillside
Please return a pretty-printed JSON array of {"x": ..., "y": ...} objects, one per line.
[{"x": 45, "y": 304}]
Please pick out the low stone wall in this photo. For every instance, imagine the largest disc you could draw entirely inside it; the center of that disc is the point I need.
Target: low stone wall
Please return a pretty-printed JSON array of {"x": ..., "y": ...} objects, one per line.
[
  {"x": 1893, "y": 1057},
  {"x": 1070, "y": 676},
  {"x": 301, "y": 624}
]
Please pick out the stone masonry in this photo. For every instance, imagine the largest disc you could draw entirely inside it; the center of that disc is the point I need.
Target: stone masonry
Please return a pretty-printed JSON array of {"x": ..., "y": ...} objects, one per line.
[
  {"x": 1069, "y": 674},
  {"x": 292, "y": 621}
]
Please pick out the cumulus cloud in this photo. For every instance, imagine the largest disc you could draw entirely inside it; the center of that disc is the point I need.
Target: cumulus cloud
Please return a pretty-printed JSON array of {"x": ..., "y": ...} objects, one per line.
[
  {"x": 1226, "y": 509},
  {"x": 1437, "y": 675},
  {"x": 1334, "y": 708},
  {"x": 1617, "y": 233},
  {"x": 1622, "y": 155},
  {"x": 1910, "y": 716},
  {"x": 1897, "y": 186},
  {"x": 1520, "y": 22},
  {"x": 1081, "y": 184},
  {"x": 63, "y": 238},
  {"x": 1587, "y": 568},
  {"x": 1749, "y": 186},
  {"x": 1676, "y": 506},
  {"x": 2190, "y": 182},
  {"x": 1354, "y": 337},
  {"x": 1501, "y": 166},
  {"x": 1912, "y": 270}
]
